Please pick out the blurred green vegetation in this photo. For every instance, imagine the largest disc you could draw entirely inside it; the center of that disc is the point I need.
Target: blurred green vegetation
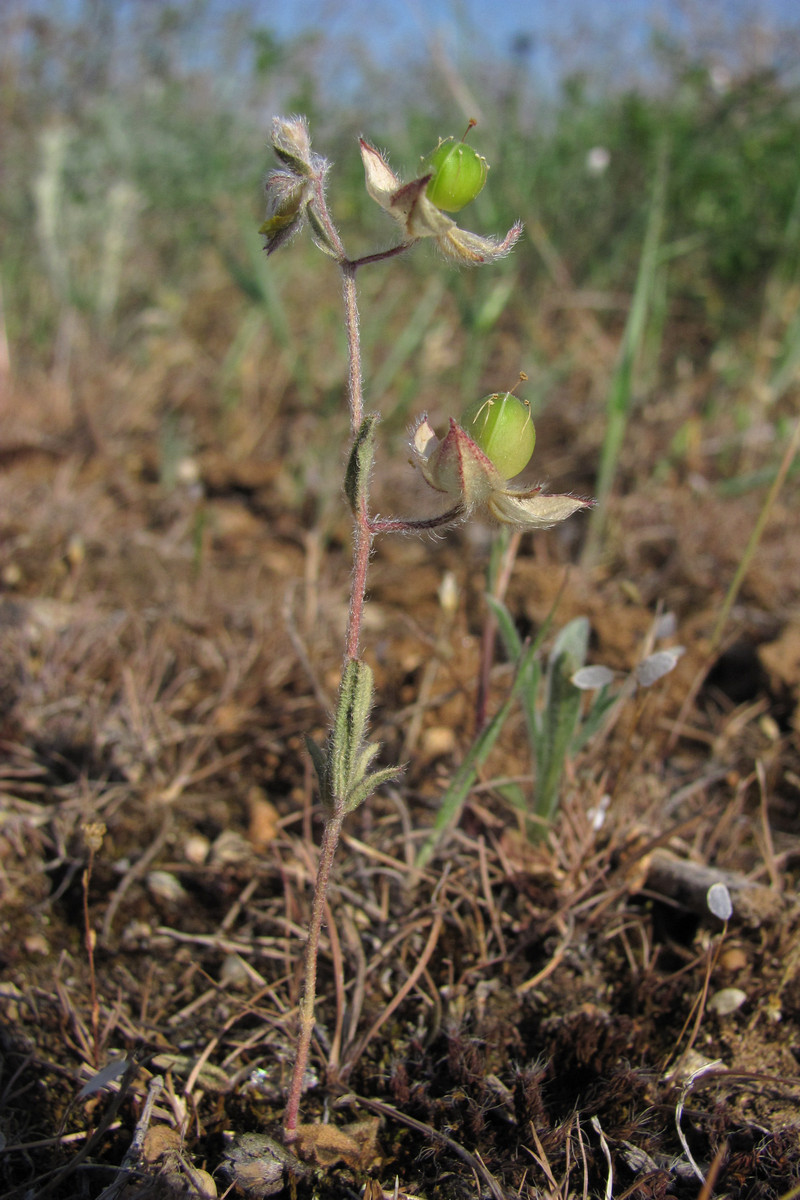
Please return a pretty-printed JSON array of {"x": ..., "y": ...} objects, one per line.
[{"x": 131, "y": 192}]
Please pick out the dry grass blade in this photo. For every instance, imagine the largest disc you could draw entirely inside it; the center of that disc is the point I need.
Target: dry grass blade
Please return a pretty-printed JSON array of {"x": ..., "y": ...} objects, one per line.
[
  {"x": 131, "y": 1159},
  {"x": 411, "y": 982},
  {"x": 394, "y": 1114}
]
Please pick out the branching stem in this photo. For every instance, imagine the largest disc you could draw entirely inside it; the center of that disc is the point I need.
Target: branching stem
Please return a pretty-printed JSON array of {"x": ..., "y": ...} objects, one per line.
[
  {"x": 363, "y": 535},
  {"x": 379, "y": 256}
]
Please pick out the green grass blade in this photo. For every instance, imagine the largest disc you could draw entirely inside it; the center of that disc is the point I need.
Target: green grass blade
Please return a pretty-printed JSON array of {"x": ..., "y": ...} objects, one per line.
[
  {"x": 408, "y": 339},
  {"x": 560, "y": 716},
  {"x": 620, "y": 396},
  {"x": 455, "y": 796}
]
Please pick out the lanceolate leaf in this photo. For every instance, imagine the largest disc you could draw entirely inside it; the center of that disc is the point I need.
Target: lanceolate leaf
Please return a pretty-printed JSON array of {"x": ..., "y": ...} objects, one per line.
[
  {"x": 356, "y": 480},
  {"x": 370, "y": 783}
]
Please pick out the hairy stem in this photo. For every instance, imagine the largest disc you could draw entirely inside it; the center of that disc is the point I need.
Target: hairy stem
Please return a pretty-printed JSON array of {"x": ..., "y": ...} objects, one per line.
[
  {"x": 363, "y": 535},
  {"x": 330, "y": 839},
  {"x": 355, "y": 392},
  {"x": 362, "y": 544},
  {"x": 380, "y": 255}
]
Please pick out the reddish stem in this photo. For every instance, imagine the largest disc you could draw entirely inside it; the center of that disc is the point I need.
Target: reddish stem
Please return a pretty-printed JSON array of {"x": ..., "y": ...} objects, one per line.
[
  {"x": 363, "y": 535},
  {"x": 327, "y": 850},
  {"x": 362, "y": 544}
]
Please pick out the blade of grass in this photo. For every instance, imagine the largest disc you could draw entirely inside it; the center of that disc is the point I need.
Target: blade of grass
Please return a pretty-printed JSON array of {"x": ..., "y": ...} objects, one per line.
[
  {"x": 755, "y": 537},
  {"x": 741, "y": 484},
  {"x": 260, "y": 286},
  {"x": 408, "y": 339},
  {"x": 560, "y": 716},
  {"x": 501, "y": 564},
  {"x": 620, "y": 396},
  {"x": 782, "y": 351},
  {"x": 455, "y": 796}
]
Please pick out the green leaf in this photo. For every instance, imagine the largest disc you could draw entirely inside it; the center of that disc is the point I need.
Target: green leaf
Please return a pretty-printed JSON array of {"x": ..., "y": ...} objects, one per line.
[
  {"x": 320, "y": 761},
  {"x": 561, "y": 714},
  {"x": 622, "y": 387},
  {"x": 365, "y": 758},
  {"x": 531, "y": 685},
  {"x": 369, "y": 784},
  {"x": 512, "y": 642},
  {"x": 320, "y": 233},
  {"x": 603, "y": 702},
  {"x": 514, "y": 795},
  {"x": 349, "y": 726},
  {"x": 456, "y": 794},
  {"x": 356, "y": 480}
]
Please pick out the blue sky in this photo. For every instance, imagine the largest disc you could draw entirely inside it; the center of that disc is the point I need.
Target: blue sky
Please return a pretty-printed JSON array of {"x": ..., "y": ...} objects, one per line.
[
  {"x": 614, "y": 32},
  {"x": 608, "y": 38}
]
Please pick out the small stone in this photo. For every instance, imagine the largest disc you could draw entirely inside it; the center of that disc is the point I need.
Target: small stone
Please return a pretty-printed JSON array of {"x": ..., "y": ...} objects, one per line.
[
  {"x": 264, "y": 817},
  {"x": 727, "y": 1001},
  {"x": 733, "y": 959},
  {"x": 234, "y": 972},
  {"x": 438, "y": 740},
  {"x": 160, "y": 1141},
  {"x": 230, "y": 847},
  {"x": 196, "y": 848},
  {"x": 202, "y": 1183},
  {"x": 165, "y": 886}
]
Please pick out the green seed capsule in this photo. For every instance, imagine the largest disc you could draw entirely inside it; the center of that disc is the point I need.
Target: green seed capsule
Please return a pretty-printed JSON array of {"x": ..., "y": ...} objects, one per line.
[
  {"x": 459, "y": 173},
  {"x": 501, "y": 425}
]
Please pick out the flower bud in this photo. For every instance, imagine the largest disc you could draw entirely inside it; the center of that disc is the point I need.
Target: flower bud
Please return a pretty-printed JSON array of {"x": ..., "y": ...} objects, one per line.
[
  {"x": 501, "y": 425},
  {"x": 290, "y": 190},
  {"x": 292, "y": 144},
  {"x": 287, "y": 199}
]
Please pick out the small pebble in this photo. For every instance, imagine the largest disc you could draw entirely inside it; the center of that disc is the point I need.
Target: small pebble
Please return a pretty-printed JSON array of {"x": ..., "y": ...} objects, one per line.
[
  {"x": 438, "y": 739},
  {"x": 727, "y": 1001},
  {"x": 165, "y": 886},
  {"x": 36, "y": 943},
  {"x": 230, "y": 847},
  {"x": 234, "y": 972},
  {"x": 196, "y": 848},
  {"x": 733, "y": 959}
]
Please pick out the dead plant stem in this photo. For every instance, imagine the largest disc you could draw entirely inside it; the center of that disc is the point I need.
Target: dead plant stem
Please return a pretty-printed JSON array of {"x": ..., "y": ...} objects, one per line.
[{"x": 94, "y": 837}]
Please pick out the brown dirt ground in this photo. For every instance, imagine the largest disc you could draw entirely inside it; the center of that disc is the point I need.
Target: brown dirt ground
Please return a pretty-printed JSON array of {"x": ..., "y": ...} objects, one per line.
[{"x": 164, "y": 653}]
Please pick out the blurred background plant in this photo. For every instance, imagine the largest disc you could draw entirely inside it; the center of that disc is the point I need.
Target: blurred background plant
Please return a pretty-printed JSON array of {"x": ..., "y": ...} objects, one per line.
[
  {"x": 653, "y": 302},
  {"x": 132, "y": 148}
]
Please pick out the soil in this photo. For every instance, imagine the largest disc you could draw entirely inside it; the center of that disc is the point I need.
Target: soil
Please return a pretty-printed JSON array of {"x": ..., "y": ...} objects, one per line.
[{"x": 523, "y": 1017}]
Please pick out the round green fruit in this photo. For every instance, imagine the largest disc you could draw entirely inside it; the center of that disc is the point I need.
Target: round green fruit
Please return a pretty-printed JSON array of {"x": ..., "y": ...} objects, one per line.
[
  {"x": 459, "y": 173},
  {"x": 501, "y": 425}
]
